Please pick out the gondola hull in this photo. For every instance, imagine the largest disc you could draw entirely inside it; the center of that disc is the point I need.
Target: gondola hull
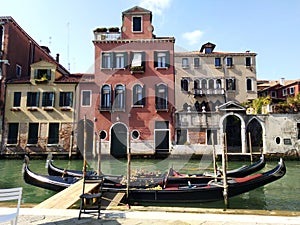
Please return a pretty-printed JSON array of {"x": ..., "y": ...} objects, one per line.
[
  {"x": 54, "y": 183},
  {"x": 203, "y": 193}
]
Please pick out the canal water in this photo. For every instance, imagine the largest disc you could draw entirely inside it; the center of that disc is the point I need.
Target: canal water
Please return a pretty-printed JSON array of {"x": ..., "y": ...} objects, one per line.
[{"x": 283, "y": 194}]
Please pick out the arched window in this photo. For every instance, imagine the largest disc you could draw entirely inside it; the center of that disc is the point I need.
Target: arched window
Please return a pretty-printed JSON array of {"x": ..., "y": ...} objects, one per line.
[
  {"x": 119, "y": 102},
  {"x": 138, "y": 95},
  {"x": 184, "y": 84},
  {"x": 218, "y": 84},
  {"x": 161, "y": 97},
  {"x": 211, "y": 84},
  {"x": 203, "y": 84},
  {"x": 105, "y": 97}
]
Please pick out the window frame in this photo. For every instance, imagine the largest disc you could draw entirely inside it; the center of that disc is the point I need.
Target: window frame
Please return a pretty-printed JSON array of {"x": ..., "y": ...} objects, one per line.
[
  {"x": 184, "y": 84},
  {"x": 233, "y": 87},
  {"x": 107, "y": 65},
  {"x": 63, "y": 98},
  {"x": 229, "y": 62},
  {"x": 196, "y": 65},
  {"x": 185, "y": 62},
  {"x": 161, "y": 59},
  {"x": 39, "y": 73},
  {"x": 17, "y": 99},
  {"x": 138, "y": 99},
  {"x": 83, "y": 100},
  {"x": 104, "y": 100},
  {"x": 53, "y": 135},
  {"x": 119, "y": 98},
  {"x": 18, "y": 71},
  {"x": 249, "y": 86},
  {"x": 13, "y": 133},
  {"x": 33, "y": 136},
  {"x": 161, "y": 102},
  {"x": 30, "y": 99},
  {"x": 48, "y": 99},
  {"x": 133, "y": 24},
  {"x": 218, "y": 62},
  {"x": 123, "y": 62},
  {"x": 248, "y": 61}
]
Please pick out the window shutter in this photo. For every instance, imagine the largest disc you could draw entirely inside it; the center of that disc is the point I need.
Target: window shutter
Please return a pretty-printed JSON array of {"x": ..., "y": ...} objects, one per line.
[
  {"x": 144, "y": 95},
  {"x": 102, "y": 60},
  {"x": 70, "y": 99},
  {"x": 168, "y": 59},
  {"x": 113, "y": 60},
  {"x": 37, "y": 99},
  {"x": 126, "y": 60},
  {"x": 155, "y": 59},
  {"x": 143, "y": 59},
  {"x": 60, "y": 99},
  {"x": 44, "y": 101},
  {"x": 48, "y": 74}
]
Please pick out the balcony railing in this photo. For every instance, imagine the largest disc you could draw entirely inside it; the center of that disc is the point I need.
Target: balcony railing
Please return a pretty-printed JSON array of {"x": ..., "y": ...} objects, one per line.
[
  {"x": 101, "y": 36},
  {"x": 199, "y": 92}
]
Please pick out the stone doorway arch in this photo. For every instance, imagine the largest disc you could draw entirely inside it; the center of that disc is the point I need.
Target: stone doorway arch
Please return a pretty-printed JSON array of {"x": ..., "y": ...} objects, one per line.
[{"x": 118, "y": 140}]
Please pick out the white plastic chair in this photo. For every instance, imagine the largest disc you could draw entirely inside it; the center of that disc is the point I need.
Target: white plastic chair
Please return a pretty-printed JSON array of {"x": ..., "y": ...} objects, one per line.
[{"x": 9, "y": 195}]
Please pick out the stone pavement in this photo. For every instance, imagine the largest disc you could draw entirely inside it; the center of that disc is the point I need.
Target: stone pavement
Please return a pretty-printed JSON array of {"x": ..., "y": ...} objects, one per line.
[{"x": 144, "y": 217}]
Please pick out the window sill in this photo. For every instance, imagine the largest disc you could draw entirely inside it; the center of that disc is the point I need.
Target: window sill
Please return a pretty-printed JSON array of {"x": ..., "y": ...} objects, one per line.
[
  {"x": 106, "y": 68},
  {"x": 119, "y": 68},
  {"x": 52, "y": 145},
  {"x": 33, "y": 108},
  {"x": 218, "y": 67},
  {"x": 11, "y": 145},
  {"x": 48, "y": 108},
  {"x": 32, "y": 145},
  {"x": 185, "y": 67},
  {"x": 137, "y": 71},
  {"x": 65, "y": 108},
  {"x": 15, "y": 109},
  {"x": 229, "y": 67},
  {"x": 162, "y": 110},
  {"x": 161, "y": 68},
  {"x": 137, "y": 106}
]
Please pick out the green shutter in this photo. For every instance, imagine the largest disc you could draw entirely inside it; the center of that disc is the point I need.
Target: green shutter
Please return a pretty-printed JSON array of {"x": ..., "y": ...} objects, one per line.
[
  {"x": 168, "y": 59},
  {"x": 155, "y": 59}
]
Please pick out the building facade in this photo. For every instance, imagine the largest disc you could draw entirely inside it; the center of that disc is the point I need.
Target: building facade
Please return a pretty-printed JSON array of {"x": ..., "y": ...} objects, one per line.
[
  {"x": 39, "y": 111},
  {"x": 131, "y": 101}
]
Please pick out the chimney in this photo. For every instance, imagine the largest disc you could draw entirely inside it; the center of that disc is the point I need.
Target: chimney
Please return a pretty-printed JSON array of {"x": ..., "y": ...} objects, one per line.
[
  {"x": 57, "y": 58},
  {"x": 281, "y": 81}
]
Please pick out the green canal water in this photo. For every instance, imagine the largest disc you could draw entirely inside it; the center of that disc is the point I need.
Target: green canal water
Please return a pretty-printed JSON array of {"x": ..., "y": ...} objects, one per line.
[{"x": 283, "y": 194}]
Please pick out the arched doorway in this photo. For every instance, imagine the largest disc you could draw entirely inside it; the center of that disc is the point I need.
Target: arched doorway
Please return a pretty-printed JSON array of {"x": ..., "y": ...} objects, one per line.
[
  {"x": 89, "y": 138},
  {"x": 118, "y": 140},
  {"x": 256, "y": 134},
  {"x": 232, "y": 128}
]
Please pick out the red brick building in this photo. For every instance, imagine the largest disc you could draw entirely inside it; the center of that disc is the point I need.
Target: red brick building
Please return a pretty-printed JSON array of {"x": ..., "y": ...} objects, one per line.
[{"x": 130, "y": 101}]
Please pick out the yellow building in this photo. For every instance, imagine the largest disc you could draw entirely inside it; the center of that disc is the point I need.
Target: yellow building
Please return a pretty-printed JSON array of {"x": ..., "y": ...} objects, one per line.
[{"x": 39, "y": 113}]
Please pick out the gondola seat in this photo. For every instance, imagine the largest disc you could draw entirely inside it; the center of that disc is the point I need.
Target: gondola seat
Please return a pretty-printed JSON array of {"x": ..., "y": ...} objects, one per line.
[{"x": 91, "y": 202}]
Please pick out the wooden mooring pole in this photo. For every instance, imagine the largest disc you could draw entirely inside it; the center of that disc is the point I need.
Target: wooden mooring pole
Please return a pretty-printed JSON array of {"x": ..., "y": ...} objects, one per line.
[
  {"x": 214, "y": 157},
  {"x": 224, "y": 169},
  {"x": 250, "y": 147},
  {"x": 128, "y": 165},
  {"x": 84, "y": 146}
]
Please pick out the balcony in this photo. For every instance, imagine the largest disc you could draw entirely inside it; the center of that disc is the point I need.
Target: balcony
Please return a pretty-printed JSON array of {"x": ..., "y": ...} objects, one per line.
[
  {"x": 137, "y": 69},
  {"x": 104, "y": 36},
  {"x": 202, "y": 92}
]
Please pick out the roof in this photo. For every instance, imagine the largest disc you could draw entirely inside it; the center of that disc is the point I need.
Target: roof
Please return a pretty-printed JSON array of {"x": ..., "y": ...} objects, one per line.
[{"x": 137, "y": 10}]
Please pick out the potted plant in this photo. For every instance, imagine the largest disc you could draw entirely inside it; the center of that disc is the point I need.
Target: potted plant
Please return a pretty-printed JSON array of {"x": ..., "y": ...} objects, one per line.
[
  {"x": 113, "y": 29},
  {"x": 101, "y": 30}
]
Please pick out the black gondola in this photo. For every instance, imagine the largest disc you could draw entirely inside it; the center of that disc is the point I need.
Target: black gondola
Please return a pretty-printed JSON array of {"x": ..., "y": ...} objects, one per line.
[
  {"x": 211, "y": 191},
  {"x": 239, "y": 172},
  {"x": 54, "y": 183}
]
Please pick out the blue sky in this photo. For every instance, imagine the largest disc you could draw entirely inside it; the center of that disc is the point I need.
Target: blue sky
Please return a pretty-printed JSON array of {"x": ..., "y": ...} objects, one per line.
[{"x": 269, "y": 28}]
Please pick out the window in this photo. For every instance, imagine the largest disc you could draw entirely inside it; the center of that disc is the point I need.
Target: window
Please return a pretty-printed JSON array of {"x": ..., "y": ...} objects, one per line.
[
  {"x": 119, "y": 102},
  {"x": 292, "y": 90},
  {"x": 248, "y": 61},
  {"x": 284, "y": 92},
  {"x": 17, "y": 99},
  {"x": 196, "y": 62},
  {"x": 137, "y": 61},
  {"x": 218, "y": 84},
  {"x": 13, "y": 131},
  {"x": 48, "y": 99},
  {"x": 230, "y": 84},
  {"x": 42, "y": 74},
  {"x": 65, "y": 99},
  {"x": 203, "y": 84},
  {"x": 249, "y": 84},
  {"x": 107, "y": 60},
  {"x": 229, "y": 61},
  {"x": 135, "y": 134},
  {"x": 18, "y": 70},
  {"x": 137, "y": 24},
  {"x": 161, "y": 59},
  {"x": 273, "y": 94},
  {"x": 105, "y": 97},
  {"x": 53, "y": 134},
  {"x": 120, "y": 60},
  {"x": 182, "y": 137},
  {"x": 218, "y": 62},
  {"x": 184, "y": 85},
  {"x": 138, "y": 97},
  {"x": 85, "y": 98},
  {"x": 185, "y": 62},
  {"x": 161, "y": 95},
  {"x": 211, "y": 84},
  {"x": 33, "y": 131},
  {"x": 33, "y": 99}
]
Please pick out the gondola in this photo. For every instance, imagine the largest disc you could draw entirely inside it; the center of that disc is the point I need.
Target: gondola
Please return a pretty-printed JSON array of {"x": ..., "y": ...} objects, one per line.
[
  {"x": 239, "y": 172},
  {"x": 211, "y": 191},
  {"x": 54, "y": 183}
]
